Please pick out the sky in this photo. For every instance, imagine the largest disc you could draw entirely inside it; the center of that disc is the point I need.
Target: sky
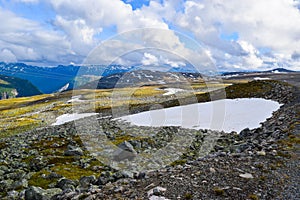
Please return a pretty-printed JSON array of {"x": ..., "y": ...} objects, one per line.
[{"x": 232, "y": 34}]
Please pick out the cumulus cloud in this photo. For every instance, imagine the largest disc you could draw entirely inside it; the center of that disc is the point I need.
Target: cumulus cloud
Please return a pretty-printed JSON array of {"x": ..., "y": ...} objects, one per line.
[
  {"x": 77, "y": 27},
  {"x": 28, "y": 41},
  {"x": 150, "y": 59},
  {"x": 259, "y": 23},
  {"x": 7, "y": 56}
]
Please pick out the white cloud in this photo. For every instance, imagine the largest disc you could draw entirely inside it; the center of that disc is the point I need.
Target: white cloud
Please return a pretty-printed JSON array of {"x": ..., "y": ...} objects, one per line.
[
  {"x": 77, "y": 25},
  {"x": 260, "y": 24},
  {"x": 150, "y": 59},
  {"x": 251, "y": 61},
  {"x": 7, "y": 56},
  {"x": 27, "y": 1},
  {"x": 28, "y": 40}
]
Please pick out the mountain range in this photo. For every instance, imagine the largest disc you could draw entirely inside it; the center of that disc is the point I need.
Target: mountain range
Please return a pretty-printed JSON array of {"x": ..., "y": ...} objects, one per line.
[{"x": 60, "y": 78}]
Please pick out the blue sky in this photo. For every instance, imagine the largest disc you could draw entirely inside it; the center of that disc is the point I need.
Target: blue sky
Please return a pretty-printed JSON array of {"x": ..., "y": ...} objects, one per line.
[
  {"x": 233, "y": 36},
  {"x": 136, "y": 4}
]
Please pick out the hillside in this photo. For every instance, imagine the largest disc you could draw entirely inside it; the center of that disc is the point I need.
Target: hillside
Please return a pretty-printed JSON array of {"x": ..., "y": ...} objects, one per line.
[
  {"x": 52, "y": 79},
  {"x": 11, "y": 87},
  {"x": 143, "y": 78},
  {"x": 42, "y": 161}
]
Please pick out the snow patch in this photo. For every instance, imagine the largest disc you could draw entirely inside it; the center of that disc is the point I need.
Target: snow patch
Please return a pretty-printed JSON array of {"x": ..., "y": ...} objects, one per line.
[
  {"x": 64, "y": 88},
  {"x": 261, "y": 78},
  {"x": 222, "y": 115},
  {"x": 71, "y": 117},
  {"x": 76, "y": 99},
  {"x": 171, "y": 91}
]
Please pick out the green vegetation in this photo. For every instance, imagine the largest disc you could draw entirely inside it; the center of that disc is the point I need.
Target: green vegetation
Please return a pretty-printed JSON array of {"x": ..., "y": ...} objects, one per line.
[
  {"x": 67, "y": 166},
  {"x": 247, "y": 90},
  {"x": 253, "y": 197},
  {"x": 23, "y": 114},
  {"x": 178, "y": 162},
  {"x": 219, "y": 191},
  {"x": 39, "y": 179},
  {"x": 188, "y": 196},
  {"x": 11, "y": 87}
]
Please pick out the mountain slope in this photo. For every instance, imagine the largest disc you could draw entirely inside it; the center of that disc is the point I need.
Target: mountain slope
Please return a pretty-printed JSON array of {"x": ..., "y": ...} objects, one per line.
[
  {"x": 11, "y": 87},
  {"x": 142, "y": 78},
  {"x": 51, "y": 79}
]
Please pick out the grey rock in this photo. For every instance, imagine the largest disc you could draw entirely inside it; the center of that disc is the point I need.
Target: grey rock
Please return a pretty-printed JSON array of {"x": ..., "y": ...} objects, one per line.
[
  {"x": 37, "y": 193},
  {"x": 118, "y": 175},
  {"x": 157, "y": 191},
  {"x": 4, "y": 168},
  {"x": 140, "y": 175},
  {"x": 125, "y": 151},
  {"x": 119, "y": 189},
  {"x": 38, "y": 163},
  {"x": 126, "y": 146},
  {"x": 246, "y": 176},
  {"x": 102, "y": 180},
  {"x": 245, "y": 133},
  {"x": 20, "y": 184},
  {"x": 86, "y": 181},
  {"x": 73, "y": 151},
  {"x": 13, "y": 195},
  {"x": 6, "y": 185},
  {"x": 65, "y": 184}
]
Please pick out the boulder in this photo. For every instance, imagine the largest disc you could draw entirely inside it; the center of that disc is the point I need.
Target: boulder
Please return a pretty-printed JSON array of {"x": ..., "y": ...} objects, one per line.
[
  {"x": 37, "y": 193},
  {"x": 125, "y": 151},
  {"x": 73, "y": 151}
]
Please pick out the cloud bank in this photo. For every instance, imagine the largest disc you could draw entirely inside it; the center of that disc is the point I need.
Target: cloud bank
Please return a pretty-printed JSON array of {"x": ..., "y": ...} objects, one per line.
[{"x": 235, "y": 35}]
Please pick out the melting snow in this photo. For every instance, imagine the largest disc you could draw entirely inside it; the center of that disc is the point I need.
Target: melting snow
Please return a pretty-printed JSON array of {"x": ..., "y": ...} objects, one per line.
[
  {"x": 222, "y": 115},
  {"x": 76, "y": 99},
  {"x": 171, "y": 91},
  {"x": 71, "y": 117},
  {"x": 261, "y": 78}
]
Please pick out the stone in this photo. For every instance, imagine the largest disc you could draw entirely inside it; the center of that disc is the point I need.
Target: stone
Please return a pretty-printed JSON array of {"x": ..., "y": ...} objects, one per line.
[
  {"x": 157, "y": 191},
  {"x": 6, "y": 185},
  {"x": 125, "y": 151},
  {"x": 126, "y": 146},
  {"x": 20, "y": 184},
  {"x": 37, "y": 193},
  {"x": 119, "y": 189},
  {"x": 154, "y": 197},
  {"x": 13, "y": 195},
  {"x": 212, "y": 170},
  {"x": 102, "y": 180},
  {"x": 245, "y": 133},
  {"x": 38, "y": 163},
  {"x": 246, "y": 175},
  {"x": 261, "y": 153},
  {"x": 73, "y": 151},
  {"x": 65, "y": 184},
  {"x": 86, "y": 181}
]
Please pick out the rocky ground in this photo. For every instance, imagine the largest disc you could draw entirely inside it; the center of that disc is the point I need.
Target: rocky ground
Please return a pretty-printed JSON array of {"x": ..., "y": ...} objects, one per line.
[{"x": 54, "y": 162}]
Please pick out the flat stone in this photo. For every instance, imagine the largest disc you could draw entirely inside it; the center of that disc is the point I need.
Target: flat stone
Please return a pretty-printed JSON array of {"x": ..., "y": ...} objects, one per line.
[
  {"x": 246, "y": 175},
  {"x": 261, "y": 153}
]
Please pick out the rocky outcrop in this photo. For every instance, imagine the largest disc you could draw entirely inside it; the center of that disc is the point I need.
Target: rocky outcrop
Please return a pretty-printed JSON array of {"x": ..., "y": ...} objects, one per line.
[{"x": 8, "y": 94}]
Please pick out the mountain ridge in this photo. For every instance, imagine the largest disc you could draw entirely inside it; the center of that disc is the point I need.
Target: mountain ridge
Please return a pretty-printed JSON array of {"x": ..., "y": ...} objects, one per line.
[{"x": 11, "y": 87}]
